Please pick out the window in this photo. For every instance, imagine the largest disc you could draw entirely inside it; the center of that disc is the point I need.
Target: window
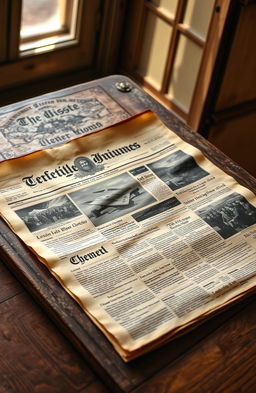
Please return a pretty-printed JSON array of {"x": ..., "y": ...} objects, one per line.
[
  {"x": 40, "y": 38},
  {"x": 167, "y": 45},
  {"x": 45, "y": 24}
]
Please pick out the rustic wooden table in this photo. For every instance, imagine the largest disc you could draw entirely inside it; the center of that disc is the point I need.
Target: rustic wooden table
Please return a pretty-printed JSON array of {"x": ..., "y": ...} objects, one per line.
[{"x": 49, "y": 345}]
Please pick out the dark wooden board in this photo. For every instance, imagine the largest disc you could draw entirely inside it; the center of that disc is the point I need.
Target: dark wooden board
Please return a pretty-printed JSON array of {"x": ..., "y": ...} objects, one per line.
[
  {"x": 67, "y": 314},
  {"x": 9, "y": 286},
  {"x": 34, "y": 356}
]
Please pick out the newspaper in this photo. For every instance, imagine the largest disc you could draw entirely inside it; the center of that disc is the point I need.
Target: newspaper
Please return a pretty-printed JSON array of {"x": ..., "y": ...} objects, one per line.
[
  {"x": 52, "y": 121},
  {"x": 143, "y": 231}
]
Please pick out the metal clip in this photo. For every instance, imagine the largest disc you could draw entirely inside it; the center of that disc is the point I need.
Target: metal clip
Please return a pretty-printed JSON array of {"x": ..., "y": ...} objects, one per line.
[{"x": 125, "y": 87}]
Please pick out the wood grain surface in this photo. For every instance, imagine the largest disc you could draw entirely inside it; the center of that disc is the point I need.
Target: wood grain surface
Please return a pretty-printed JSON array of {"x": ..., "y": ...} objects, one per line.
[
  {"x": 35, "y": 356},
  {"x": 9, "y": 286}
]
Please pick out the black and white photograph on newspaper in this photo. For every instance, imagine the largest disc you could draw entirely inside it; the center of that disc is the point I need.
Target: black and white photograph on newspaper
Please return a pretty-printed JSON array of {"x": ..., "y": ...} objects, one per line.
[
  {"x": 111, "y": 198},
  {"x": 229, "y": 215},
  {"x": 156, "y": 209},
  {"x": 47, "y": 214},
  {"x": 177, "y": 170}
]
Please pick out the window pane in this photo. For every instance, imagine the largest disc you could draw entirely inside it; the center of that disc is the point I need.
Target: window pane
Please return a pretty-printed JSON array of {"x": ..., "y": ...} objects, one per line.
[
  {"x": 48, "y": 24},
  {"x": 169, "y": 6},
  {"x": 41, "y": 17},
  {"x": 185, "y": 70},
  {"x": 198, "y": 16},
  {"x": 156, "y": 40}
]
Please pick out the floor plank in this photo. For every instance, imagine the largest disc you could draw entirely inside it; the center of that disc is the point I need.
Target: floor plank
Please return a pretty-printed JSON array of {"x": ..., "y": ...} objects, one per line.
[
  {"x": 35, "y": 357},
  {"x": 95, "y": 387},
  {"x": 8, "y": 284}
]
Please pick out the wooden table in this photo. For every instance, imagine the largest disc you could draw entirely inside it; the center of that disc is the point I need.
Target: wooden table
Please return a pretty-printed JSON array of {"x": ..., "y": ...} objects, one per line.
[{"x": 49, "y": 345}]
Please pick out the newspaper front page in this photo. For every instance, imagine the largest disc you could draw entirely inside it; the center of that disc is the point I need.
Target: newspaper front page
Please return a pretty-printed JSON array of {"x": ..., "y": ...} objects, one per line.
[{"x": 138, "y": 226}]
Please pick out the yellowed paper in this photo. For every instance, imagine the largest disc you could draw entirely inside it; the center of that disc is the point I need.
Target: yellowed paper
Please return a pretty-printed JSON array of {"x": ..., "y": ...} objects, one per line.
[{"x": 138, "y": 226}]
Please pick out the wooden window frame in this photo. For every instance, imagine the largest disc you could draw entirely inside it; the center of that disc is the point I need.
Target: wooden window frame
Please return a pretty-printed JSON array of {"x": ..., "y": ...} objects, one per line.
[
  {"x": 67, "y": 34},
  {"x": 76, "y": 54},
  {"x": 65, "y": 28},
  {"x": 133, "y": 42},
  {"x": 3, "y": 29}
]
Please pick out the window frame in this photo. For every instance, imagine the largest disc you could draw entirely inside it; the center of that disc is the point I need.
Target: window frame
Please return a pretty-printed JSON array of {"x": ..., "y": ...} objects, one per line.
[
  {"x": 64, "y": 36},
  {"x": 75, "y": 54},
  {"x": 133, "y": 42},
  {"x": 3, "y": 29}
]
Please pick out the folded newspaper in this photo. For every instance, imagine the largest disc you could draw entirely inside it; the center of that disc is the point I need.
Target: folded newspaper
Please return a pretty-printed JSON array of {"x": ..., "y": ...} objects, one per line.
[{"x": 143, "y": 231}]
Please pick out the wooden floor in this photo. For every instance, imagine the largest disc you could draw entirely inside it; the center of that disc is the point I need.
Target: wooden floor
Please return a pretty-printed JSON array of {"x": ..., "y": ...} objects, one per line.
[{"x": 35, "y": 357}]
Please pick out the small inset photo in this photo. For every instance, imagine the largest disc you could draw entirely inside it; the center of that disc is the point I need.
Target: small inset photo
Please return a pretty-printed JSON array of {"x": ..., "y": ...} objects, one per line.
[
  {"x": 46, "y": 214},
  {"x": 229, "y": 215},
  {"x": 177, "y": 170}
]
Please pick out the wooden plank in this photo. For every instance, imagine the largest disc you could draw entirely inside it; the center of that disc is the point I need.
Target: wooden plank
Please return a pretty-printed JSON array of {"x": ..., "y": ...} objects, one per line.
[
  {"x": 61, "y": 307},
  {"x": 235, "y": 136},
  {"x": 9, "y": 286},
  {"x": 34, "y": 357},
  {"x": 241, "y": 64},
  {"x": 95, "y": 387}
]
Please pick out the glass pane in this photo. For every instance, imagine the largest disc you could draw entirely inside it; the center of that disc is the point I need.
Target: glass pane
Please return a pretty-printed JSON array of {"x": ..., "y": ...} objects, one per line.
[
  {"x": 169, "y": 6},
  {"x": 185, "y": 70},
  {"x": 198, "y": 15},
  {"x": 41, "y": 17},
  {"x": 156, "y": 40}
]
